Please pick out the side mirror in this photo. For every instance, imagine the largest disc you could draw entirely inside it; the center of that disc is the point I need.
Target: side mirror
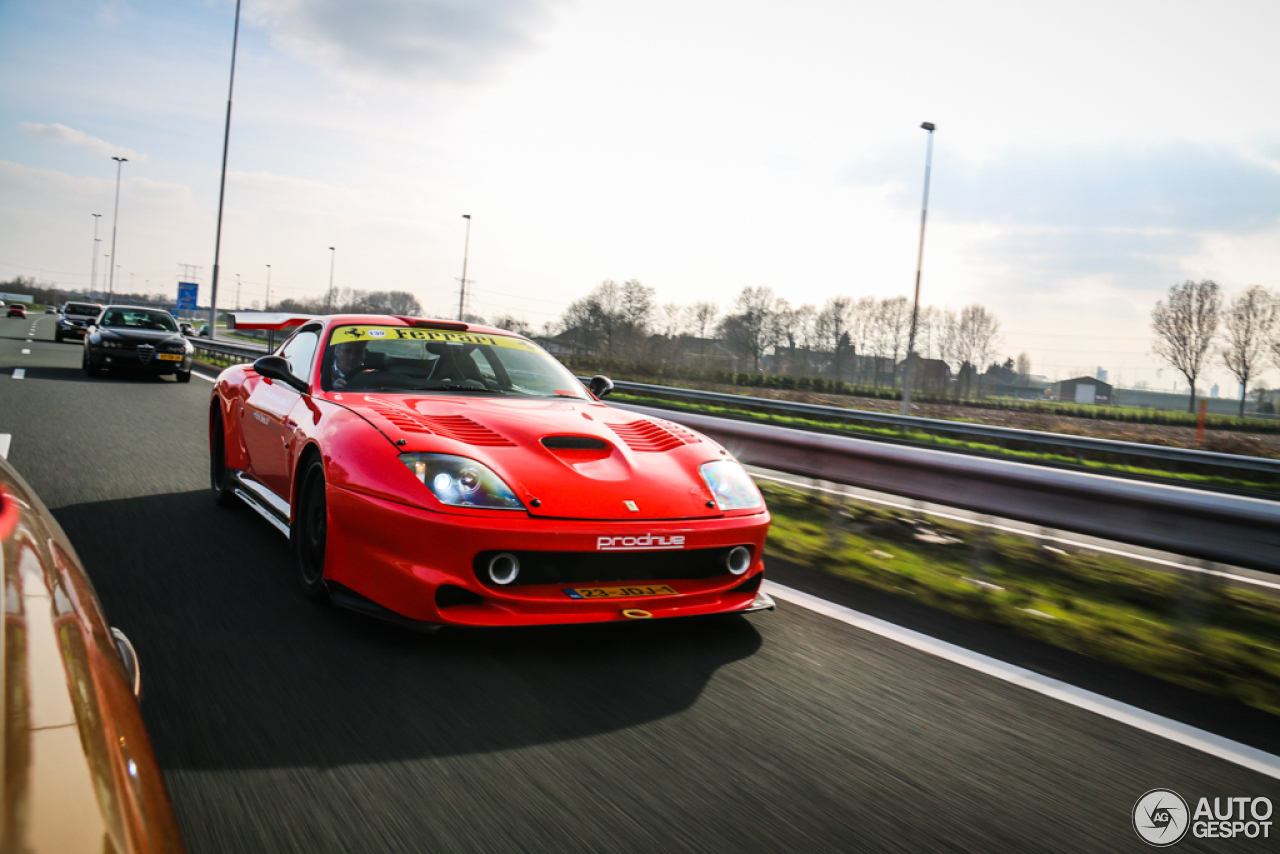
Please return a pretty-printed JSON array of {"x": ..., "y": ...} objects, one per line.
[
  {"x": 276, "y": 368},
  {"x": 600, "y": 385}
]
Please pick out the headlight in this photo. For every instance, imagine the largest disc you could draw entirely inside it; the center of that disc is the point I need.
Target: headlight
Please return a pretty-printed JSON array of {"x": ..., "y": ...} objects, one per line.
[
  {"x": 731, "y": 485},
  {"x": 460, "y": 482},
  {"x": 112, "y": 345}
]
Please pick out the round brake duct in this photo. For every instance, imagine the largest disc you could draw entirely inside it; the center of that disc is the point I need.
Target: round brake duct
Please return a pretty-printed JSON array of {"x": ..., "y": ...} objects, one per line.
[
  {"x": 738, "y": 560},
  {"x": 503, "y": 568}
]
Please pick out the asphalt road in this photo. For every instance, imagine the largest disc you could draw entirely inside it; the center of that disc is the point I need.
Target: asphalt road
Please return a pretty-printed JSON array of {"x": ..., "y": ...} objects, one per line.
[{"x": 283, "y": 725}]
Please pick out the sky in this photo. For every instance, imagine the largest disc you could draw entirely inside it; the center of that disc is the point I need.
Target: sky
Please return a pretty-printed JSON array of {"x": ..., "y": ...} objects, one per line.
[{"x": 1088, "y": 156}]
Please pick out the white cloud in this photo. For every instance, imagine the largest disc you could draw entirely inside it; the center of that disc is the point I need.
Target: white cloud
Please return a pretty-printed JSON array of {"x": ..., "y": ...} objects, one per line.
[
  {"x": 71, "y": 136},
  {"x": 414, "y": 39}
]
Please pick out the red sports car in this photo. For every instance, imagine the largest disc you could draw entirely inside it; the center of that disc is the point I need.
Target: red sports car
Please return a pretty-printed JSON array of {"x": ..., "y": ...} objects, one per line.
[
  {"x": 438, "y": 473},
  {"x": 16, "y": 310}
]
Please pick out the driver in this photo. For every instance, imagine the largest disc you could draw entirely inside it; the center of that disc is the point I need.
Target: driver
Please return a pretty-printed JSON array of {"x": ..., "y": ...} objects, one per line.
[{"x": 348, "y": 363}]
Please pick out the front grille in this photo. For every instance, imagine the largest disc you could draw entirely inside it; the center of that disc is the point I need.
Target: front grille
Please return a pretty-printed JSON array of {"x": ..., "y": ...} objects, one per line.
[
  {"x": 145, "y": 353},
  {"x": 599, "y": 567}
]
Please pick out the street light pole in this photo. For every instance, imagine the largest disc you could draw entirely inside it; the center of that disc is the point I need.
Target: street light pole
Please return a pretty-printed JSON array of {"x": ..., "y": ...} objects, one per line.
[
  {"x": 271, "y": 344},
  {"x": 111, "y": 273},
  {"x": 328, "y": 300},
  {"x": 462, "y": 290},
  {"x": 93, "y": 272},
  {"x": 222, "y": 187},
  {"x": 237, "y": 291},
  {"x": 915, "y": 305}
]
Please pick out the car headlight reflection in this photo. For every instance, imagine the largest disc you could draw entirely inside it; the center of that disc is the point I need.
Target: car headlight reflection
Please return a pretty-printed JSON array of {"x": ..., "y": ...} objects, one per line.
[
  {"x": 730, "y": 485},
  {"x": 460, "y": 482}
]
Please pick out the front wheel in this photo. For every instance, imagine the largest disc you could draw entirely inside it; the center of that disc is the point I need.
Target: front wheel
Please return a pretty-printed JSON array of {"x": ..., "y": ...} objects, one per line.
[
  {"x": 89, "y": 367},
  {"x": 184, "y": 376},
  {"x": 311, "y": 530}
]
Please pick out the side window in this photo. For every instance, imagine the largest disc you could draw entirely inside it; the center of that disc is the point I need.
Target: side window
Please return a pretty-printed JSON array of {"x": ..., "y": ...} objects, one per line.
[{"x": 300, "y": 351}]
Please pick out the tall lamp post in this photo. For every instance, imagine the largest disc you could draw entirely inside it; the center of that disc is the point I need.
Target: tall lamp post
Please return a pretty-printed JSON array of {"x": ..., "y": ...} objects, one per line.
[
  {"x": 271, "y": 333},
  {"x": 222, "y": 186},
  {"x": 328, "y": 300},
  {"x": 93, "y": 271},
  {"x": 915, "y": 305},
  {"x": 462, "y": 290},
  {"x": 115, "y": 218}
]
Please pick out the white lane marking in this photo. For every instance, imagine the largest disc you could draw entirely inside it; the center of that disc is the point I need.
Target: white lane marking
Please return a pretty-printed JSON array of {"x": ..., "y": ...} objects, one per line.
[
  {"x": 1180, "y": 733},
  {"x": 4, "y": 445},
  {"x": 1024, "y": 532},
  {"x": 26, "y": 352},
  {"x": 203, "y": 377},
  {"x": 19, "y": 373}
]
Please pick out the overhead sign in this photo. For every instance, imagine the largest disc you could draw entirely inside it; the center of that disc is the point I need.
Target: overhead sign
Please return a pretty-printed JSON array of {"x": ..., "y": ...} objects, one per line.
[{"x": 187, "y": 292}]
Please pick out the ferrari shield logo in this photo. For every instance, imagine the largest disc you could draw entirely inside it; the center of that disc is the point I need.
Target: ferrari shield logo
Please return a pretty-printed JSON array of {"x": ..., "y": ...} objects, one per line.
[{"x": 631, "y": 505}]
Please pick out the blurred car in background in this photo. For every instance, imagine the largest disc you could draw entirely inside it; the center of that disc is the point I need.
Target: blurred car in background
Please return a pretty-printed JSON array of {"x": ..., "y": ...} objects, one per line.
[
  {"x": 137, "y": 338},
  {"x": 48, "y": 309},
  {"x": 187, "y": 328},
  {"x": 17, "y": 310},
  {"x": 79, "y": 771},
  {"x": 75, "y": 319}
]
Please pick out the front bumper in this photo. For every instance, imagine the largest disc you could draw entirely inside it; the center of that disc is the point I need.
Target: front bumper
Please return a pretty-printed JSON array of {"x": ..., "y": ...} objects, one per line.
[
  {"x": 419, "y": 564},
  {"x": 130, "y": 360}
]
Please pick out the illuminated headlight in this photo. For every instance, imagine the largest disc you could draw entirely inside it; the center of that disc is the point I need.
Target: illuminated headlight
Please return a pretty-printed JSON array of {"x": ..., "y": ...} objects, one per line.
[
  {"x": 731, "y": 485},
  {"x": 460, "y": 482}
]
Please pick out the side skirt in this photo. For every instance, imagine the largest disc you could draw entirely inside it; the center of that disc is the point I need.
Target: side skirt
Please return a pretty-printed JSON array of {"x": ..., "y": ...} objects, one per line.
[
  {"x": 266, "y": 503},
  {"x": 348, "y": 598}
]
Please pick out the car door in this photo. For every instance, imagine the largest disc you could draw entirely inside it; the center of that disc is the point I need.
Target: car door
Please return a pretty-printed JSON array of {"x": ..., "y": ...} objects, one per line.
[{"x": 265, "y": 420}]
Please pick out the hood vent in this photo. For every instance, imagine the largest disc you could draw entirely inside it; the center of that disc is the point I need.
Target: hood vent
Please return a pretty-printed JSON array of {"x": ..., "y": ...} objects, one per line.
[
  {"x": 574, "y": 443},
  {"x": 459, "y": 428},
  {"x": 462, "y": 429},
  {"x": 650, "y": 436}
]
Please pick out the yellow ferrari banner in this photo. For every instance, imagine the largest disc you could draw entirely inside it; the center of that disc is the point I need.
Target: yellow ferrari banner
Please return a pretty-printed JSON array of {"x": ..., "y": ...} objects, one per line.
[{"x": 371, "y": 334}]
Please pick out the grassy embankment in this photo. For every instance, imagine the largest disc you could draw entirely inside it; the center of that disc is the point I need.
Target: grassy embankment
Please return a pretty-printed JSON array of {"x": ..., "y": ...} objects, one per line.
[
  {"x": 1182, "y": 627},
  {"x": 1105, "y": 464}
]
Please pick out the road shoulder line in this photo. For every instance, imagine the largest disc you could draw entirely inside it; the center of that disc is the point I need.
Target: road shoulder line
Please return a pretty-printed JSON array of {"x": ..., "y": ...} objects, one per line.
[{"x": 1188, "y": 736}]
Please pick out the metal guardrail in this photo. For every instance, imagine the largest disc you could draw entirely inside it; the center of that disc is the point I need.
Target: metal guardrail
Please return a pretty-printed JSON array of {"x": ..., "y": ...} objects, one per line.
[
  {"x": 1045, "y": 442},
  {"x": 1209, "y": 526},
  {"x": 236, "y": 353}
]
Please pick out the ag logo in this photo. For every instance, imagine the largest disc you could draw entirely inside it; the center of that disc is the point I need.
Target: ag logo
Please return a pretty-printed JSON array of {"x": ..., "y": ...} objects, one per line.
[{"x": 1160, "y": 817}]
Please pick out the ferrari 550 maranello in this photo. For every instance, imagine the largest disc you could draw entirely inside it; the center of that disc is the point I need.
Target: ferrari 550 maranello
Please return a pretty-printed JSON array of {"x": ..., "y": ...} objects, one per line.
[{"x": 437, "y": 473}]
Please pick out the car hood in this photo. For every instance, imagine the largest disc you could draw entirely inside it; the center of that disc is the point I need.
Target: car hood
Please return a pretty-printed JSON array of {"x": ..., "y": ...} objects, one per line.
[{"x": 637, "y": 468}]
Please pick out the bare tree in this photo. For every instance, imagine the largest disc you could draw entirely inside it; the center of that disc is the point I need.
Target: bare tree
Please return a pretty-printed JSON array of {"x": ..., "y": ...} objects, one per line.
[
  {"x": 1022, "y": 367},
  {"x": 1250, "y": 320},
  {"x": 749, "y": 330},
  {"x": 672, "y": 320},
  {"x": 977, "y": 338},
  {"x": 832, "y": 330},
  {"x": 702, "y": 317},
  {"x": 1185, "y": 326},
  {"x": 895, "y": 315}
]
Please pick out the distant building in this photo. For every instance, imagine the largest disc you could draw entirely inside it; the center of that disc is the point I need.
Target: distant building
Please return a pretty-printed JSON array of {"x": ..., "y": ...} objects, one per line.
[
  {"x": 1213, "y": 392},
  {"x": 1083, "y": 390},
  {"x": 1102, "y": 373}
]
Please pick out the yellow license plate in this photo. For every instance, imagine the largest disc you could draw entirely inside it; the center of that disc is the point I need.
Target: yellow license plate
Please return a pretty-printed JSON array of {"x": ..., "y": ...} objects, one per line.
[
  {"x": 620, "y": 592},
  {"x": 170, "y": 357}
]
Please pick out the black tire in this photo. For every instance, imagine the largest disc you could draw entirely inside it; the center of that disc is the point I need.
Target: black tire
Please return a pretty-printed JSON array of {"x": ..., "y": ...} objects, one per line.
[
  {"x": 57, "y": 335},
  {"x": 184, "y": 376},
  {"x": 218, "y": 479},
  {"x": 310, "y": 531},
  {"x": 89, "y": 367}
]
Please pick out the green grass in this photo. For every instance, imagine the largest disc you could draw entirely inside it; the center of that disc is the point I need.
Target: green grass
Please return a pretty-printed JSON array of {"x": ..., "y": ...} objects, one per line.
[
  {"x": 1098, "y": 605},
  {"x": 1110, "y": 464}
]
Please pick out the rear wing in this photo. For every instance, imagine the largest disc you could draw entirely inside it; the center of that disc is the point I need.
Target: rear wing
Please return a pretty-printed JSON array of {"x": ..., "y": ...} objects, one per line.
[{"x": 266, "y": 319}]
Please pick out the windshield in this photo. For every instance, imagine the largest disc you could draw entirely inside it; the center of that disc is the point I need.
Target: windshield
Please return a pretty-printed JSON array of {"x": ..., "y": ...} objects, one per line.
[
  {"x": 139, "y": 318},
  {"x": 79, "y": 308},
  {"x": 399, "y": 358}
]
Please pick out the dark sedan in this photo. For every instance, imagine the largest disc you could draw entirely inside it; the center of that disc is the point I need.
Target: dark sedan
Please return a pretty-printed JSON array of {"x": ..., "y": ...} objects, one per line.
[
  {"x": 134, "y": 338},
  {"x": 75, "y": 319}
]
